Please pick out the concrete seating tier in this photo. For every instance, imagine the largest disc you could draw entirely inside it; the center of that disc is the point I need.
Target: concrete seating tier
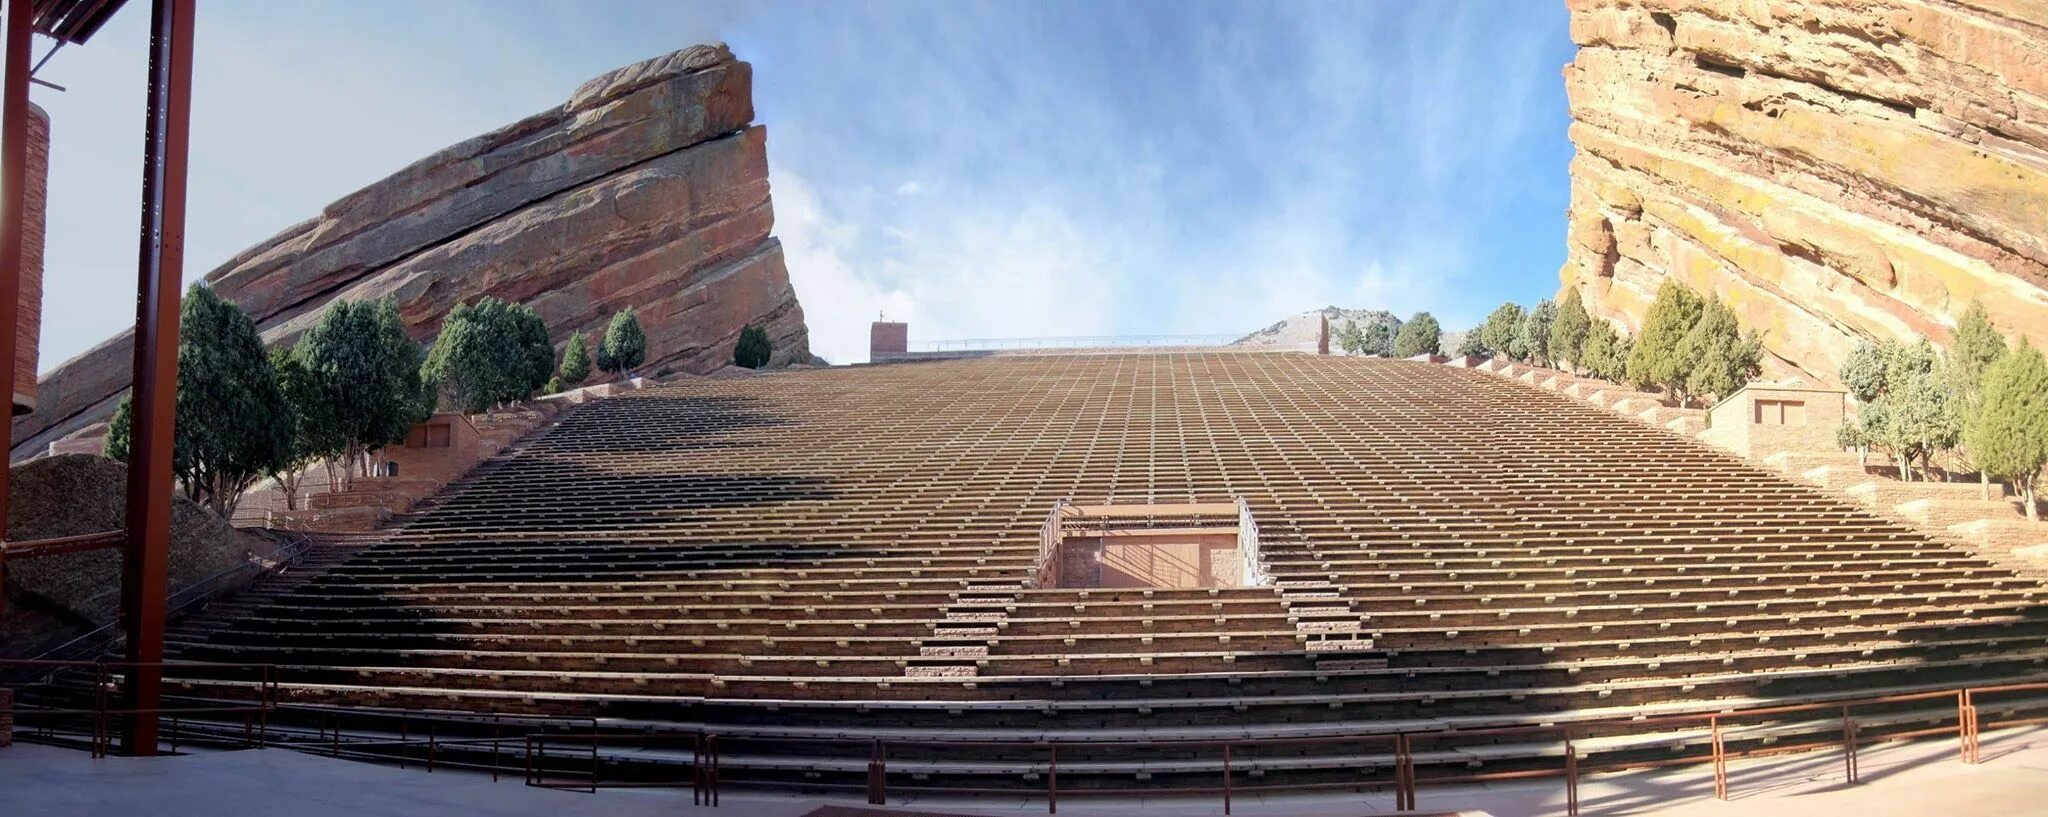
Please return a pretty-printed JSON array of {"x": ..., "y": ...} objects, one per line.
[{"x": 846, "y": 552}]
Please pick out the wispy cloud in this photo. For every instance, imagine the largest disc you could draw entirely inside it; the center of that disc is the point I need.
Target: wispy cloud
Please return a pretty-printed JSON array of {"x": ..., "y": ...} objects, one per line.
[{"x": 986, "y": 169}]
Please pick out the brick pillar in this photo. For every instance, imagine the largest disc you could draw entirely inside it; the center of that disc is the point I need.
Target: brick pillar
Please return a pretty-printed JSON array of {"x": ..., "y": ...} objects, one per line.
[
  {"x": 887, "y": 339},
  {"x": 28, "y": 325},
  {"x": 6, "y": 717},
  {"x": 1323, "y": 338}
]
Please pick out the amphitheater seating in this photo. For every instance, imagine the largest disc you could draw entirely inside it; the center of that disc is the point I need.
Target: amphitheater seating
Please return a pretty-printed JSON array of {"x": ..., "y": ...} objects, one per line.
[{"x": 844, "y": 551}]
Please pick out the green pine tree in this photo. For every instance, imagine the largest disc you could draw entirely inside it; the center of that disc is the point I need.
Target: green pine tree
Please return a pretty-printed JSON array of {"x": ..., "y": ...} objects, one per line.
[
  {"x": 624, "y": 345},
  {"x": 1656, "y": 362},
  {"x": 575, "y": 362},
  {"x": 2009, "y": 434},
  {"x": 753, "y": 349},
  {"x": 1533, "y": 335},
  {"x": 1419, "y": 336},
  {"x": 1567, "y": 342},
  {"x": 1500, "y": 331},
  {"x": 1378, "y": 339}
]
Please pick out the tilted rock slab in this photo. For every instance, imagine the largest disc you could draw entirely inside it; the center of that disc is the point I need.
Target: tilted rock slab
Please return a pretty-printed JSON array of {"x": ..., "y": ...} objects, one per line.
[
  {"x": 648, "y": 189},
  {"x": 1835, "y": 169}
]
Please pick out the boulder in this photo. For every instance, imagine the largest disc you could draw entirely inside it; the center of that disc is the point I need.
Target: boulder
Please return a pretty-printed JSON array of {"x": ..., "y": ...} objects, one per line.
[{"x": 647, "y": 188}]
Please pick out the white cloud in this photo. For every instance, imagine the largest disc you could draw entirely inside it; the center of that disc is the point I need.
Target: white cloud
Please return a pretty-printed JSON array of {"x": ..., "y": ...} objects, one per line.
[
  {"x": 838, "y": 301},
  {"x": 910, "y": 188}
]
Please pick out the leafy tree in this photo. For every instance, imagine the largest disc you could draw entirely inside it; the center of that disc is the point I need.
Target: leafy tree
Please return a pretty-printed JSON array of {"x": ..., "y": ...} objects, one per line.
[
  {"x": 1379, "y": 339},
  {"x": 1419, "y": 336},
  {"x": 2009, "y": 435},
  {"x": 1656, "y": 362},
  {"x": 1500, "y": 330},
  {"x": 365, "y": 368},
  {"x": 489, "y": 353},
  {"x": 1908, "y": 409},
  {"x": 232, "y": 423},
  {"x": 1723, "y": 357},
  {"x": 753, "y": 349},
  {"x": 1350, "y": 339},
  {"x": 1533, "y": 335},
  {"x": 575, "y": 363},
  {"x": 624, "y": 345},
  {"x": 1567, "y": 341},
  {"x": 311, "y": 439}
]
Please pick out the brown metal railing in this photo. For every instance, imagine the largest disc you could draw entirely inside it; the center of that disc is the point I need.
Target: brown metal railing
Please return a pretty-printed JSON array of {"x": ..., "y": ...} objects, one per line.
[{"x": 105, "y": 693}]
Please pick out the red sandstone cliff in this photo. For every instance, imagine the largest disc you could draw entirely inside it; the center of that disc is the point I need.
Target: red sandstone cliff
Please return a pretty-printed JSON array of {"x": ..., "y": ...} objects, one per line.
[
  {"x": 647, "y": 188},
  {"x": 1836, "y": 169}
]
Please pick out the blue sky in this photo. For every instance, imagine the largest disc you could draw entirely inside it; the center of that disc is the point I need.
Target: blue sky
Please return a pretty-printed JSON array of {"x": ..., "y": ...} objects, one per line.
[{"x": 980, "y": 169}]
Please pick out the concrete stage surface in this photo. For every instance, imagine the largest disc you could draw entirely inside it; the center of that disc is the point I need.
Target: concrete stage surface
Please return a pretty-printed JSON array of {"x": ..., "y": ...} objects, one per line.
[{"x": 1907, "y": 780}]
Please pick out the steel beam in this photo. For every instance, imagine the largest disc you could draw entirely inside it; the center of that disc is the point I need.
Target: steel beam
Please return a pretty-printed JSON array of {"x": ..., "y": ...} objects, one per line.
[
  {"x": 20, "y": 23},
  {"x": 145, "y": 563}
]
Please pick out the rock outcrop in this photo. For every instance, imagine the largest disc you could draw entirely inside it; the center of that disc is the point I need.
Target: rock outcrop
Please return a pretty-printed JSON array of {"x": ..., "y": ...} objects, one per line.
[
  {"x": 648, "y": 188},
  {"x": 1835, "y": 169}
]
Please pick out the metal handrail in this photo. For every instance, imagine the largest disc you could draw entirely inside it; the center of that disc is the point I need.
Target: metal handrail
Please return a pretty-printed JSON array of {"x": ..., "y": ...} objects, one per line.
[
  {"x": 1045, "y": 566},
  {"x": 179, "y": 602}
]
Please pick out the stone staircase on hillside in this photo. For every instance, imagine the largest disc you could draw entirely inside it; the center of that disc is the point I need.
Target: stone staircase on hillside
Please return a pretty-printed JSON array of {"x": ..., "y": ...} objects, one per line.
[
  {"x": 325, "y": 552},
  {"x": 962, "y": 640}
]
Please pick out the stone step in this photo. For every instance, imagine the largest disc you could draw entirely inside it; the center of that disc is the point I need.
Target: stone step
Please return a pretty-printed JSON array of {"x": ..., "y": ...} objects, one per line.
[
  {"x": 975, "y": 615},
  {"x": 964, "y": 632},
  {"x": 1338, "y": 626},
  {"x": 1353, "y": 664}
]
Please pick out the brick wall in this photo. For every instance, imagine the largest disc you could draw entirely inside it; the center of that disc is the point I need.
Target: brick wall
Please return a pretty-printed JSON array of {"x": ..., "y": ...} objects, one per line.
[
  {"x": 887, "y": 339},
  {"x": 28, "y": 325}
]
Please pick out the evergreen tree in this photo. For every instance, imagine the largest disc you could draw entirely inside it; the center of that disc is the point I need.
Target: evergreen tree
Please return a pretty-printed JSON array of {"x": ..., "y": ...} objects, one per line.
[
  {"x": 575, "y": 363},
  {"x": 1473, "y": 344},
  {"x": 753, "y": 349},
  {"x": 1419, "y": 336},
  {"x": 624, "y": 345},
  {"x": 1597, "y": 352},
  {"x": 1350, "y": 339},
  {"x": 1533, "y": 335},
  {"x": 1567, "y": 342},
  {"x": 232, "y": 423},
  {"x": 1975, "y": 345},
  {"x": 489, "y": 353},
  {"x": 1500, "y": 331},
  {"x": 1378, "y": 339},
  {"x": 1656, "y": 362},
  {"x": 366, "y": 370},
  {"x": 2009, "y": 434},
  {"x": 1723, "y": 356}
]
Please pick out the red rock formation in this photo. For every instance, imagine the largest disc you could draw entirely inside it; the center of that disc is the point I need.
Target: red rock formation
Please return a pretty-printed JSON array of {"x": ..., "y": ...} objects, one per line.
[
  {"x": 648, "y": 188},
  {"x": 1836, "y": 169}
]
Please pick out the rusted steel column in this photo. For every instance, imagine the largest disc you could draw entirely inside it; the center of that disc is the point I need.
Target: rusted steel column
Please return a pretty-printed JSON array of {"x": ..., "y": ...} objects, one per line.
[
  {"x": 13, "y": 203},
  {"x": 161, "y": 269}
]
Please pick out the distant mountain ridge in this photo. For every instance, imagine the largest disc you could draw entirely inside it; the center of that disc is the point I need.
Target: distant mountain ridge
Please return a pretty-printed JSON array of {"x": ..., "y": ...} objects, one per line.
[{"x": 1302, "y": 329}]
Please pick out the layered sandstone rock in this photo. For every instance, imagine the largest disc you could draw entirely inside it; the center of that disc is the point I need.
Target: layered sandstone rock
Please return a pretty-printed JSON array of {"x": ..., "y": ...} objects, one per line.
[
  {"x": 1836, "y": 169},
  {"x": 647, "y": 188}
]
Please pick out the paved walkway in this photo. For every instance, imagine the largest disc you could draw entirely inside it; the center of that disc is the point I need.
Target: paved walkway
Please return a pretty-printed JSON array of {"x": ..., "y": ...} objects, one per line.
[{"x": 1910, "y": 780}]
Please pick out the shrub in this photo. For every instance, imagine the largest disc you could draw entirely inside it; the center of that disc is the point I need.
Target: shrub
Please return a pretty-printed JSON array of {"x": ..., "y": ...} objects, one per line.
[{"x": 1378, "y": 339}]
